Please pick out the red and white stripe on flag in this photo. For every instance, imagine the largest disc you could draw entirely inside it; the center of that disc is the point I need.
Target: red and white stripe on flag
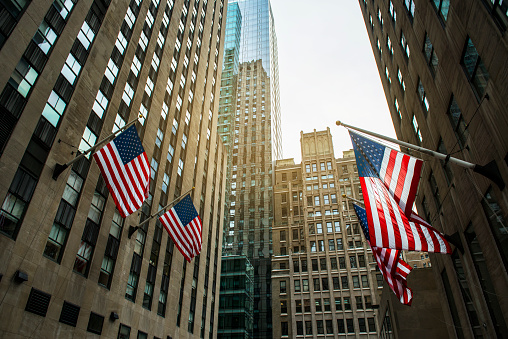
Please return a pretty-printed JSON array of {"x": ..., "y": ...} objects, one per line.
[
  {"x": 395, "y": 271},
  {"x": 401, "y": 174},
  {"x": 187, "y": 238},
  {"x": 128, "y": 183},
  {"x": 390, "y": 228}
]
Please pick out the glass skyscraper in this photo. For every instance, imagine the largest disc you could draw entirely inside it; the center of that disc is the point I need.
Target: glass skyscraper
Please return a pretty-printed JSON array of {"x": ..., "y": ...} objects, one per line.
[{"x": 249, "y": 123}]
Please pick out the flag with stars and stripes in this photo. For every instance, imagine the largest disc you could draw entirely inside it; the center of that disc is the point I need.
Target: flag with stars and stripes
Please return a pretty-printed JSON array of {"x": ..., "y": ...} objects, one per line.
[
  {"x": 125, "y": 169},
  {"x": 184, "y": 226},
  {"x": 393, "y": 268},
  {"x": 389, "y": 181}
]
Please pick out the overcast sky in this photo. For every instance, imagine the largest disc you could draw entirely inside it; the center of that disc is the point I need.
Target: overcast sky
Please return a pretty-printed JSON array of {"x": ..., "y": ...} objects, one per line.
[{"x": 327, "y": 72}]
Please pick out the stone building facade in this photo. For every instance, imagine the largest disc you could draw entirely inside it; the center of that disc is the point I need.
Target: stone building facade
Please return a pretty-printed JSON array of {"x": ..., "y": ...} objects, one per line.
[
  {"x": 443, "y": 65},
  {"x": 72, "y": 72},
  {"x": 324, "y": 279}
]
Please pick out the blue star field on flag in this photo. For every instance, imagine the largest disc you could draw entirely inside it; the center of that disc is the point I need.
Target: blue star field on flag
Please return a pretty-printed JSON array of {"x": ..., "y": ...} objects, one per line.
[
  {"x": 366, "y": 148},
  {"x": 362, "y": 217},
  {"x": 185, "y": 210},
  {"x": 128, "y": 145}
]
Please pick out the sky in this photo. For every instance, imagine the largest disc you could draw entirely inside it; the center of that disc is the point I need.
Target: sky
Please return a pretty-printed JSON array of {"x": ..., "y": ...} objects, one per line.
[{"x": 327, "y": 72}]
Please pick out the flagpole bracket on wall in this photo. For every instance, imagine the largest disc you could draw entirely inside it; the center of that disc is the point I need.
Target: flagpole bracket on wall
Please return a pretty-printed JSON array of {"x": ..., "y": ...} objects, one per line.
[
  {"x": 132, "y": 230},
  {"x": 59, "y": 168}
]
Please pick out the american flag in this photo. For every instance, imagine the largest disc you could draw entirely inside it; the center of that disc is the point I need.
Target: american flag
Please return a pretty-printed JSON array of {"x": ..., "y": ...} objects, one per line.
[
  {"x": 184, "y": 226},
  {"x": 393, "y": 268},
  {"x": 125, "y": 168},
  {"x": 389, "y": 181}
]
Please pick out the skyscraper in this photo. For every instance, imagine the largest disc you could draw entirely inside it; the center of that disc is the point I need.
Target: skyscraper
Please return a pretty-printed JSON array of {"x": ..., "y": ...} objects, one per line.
[
  {"x": 324, "y": 279},
  {"x": 255, "y": 143},
  {"x": 443, "y": 67},
  {"x": 72, "y": 72}
]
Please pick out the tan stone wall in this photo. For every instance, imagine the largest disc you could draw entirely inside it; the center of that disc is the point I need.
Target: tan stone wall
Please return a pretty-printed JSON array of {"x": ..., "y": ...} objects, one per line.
[{"x": 58, "y": 279}]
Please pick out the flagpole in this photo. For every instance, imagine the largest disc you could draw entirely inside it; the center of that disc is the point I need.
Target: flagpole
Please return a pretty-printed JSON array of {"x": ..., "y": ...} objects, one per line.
[
  {"x": 490, "y": 171},
  {"x": 59, "y": 168},
  {"x": 351, "y": 198},
  {"x": 133, "y": 229}
]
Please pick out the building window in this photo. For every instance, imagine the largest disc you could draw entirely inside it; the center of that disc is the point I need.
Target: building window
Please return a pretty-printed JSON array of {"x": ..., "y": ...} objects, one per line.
[
  {"x": 54, "y": 108},
  {"x": 308, "y": 327},
  {"x": 352, "y": 261},
  {"x": 331, "y": 245},
  {"x": 499, "y": 11},
  {"x": 315, "y": 265},
  {"x": 372, "y": 324},
  {"x": 23, "y": 77},
  {"x": 430, "y": 55},
  {"x": 340, "y": 326},
  {"x": 484, "y": 276},
  {"x": 319, "y": 325},
  {"x": 387, "y": 74},
  {"x": 423, "y": 97},
  {"x": 365, "y": 281},
  {"x": 451, "y": 304},
  {"x": 435, "y": 190},
  {"x": 475, "y": 70},
  {"x": 284, "y": 327},
  {"x": 361, "y": 260},
  {"x": 380, "y": 18},
  {"x": 345, "y": 282},
  {"x": 393, "y": 14},
  {"x": 359, "y": 303},
  {"x": 494, "y": 215},
  {"x": 442, "y": 7},
  {"x": 108, "y": 262},
  {"x": 299, "y": 328},
  {"x": 297, "y": 286},
  {"x": 350, "y": 326},
  {"x": 317, "y": 286},
  {"x": 410, "y": 7},
  {"x": 356, "y": 281},
  {"x": 401, "y": 80},
  {"x": 416, "y": 128},
  {"x": 283, "y": 286},
  {"x": 64, "y": 218},
  {"x": 368, "y": 302},
  {"x": 342, "y": 260},
  {"x": 361, "y": 325},
  {"x": 457, "y": 121},
  {"x": 466, "y": 294},
  {"x": 305, "y": 283},
  {"x": 404, "y": 45},
  {"x": 397, "y": 108},
  {"x": 306, "y": 305},
  {"x": 284, "y": 306},
  {"x": 324, "y": 284},
  {"x": 389, "y": 45},
  {"x": 333, "y": 263},
  {"x": 15, "y": 203},
  {"x": 304, "y": 265},
  {"x": 124, "y": 332}
]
